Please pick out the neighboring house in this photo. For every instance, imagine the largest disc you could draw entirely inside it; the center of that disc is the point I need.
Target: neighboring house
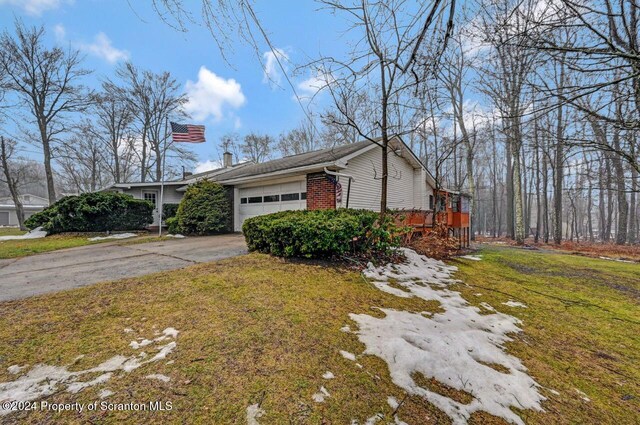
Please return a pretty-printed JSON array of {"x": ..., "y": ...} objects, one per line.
[
  {"x": 31, "y": 204},
  {"x": 339, "y": 177}
]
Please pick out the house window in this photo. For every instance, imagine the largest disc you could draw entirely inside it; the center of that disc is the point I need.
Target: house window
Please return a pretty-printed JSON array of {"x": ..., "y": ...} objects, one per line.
[
  {"x": 431, "y": 202},
  {"x": 303, "y": 195},
  {"x": 290, "y": 197},
  {"x": 442, "y": 203},
  {"x": 255, "y": 199},
  {"x": 455, "y": 204},
  {"x": 243, "y": 200},
  {"x": 465, "y": 204},
  {"x": 150, "y": 196},
  {"x": 272, "y": 198}
]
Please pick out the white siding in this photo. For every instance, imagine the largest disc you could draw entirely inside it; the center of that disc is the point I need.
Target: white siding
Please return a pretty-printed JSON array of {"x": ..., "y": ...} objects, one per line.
[{"x": 406, "y": 186}]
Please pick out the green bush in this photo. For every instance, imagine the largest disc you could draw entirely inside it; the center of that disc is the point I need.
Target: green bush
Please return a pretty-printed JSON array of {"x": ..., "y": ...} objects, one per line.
[
  {"x": 169, "y": 210},
  {"x": 205, "y": 209},
  {"x": 320, "y": 233},
  {"x": 172, "y": 225},
  {"x": 94, "y": 212}
]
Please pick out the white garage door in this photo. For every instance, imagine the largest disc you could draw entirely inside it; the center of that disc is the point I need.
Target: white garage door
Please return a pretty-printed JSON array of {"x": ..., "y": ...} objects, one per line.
[
  {"x": 4, "y": 218},
  {"x": 261, "y": 200}
]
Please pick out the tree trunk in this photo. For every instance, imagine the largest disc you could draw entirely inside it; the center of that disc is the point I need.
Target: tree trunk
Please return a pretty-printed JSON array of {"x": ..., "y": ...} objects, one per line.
[{"x": 12, "y": 184}]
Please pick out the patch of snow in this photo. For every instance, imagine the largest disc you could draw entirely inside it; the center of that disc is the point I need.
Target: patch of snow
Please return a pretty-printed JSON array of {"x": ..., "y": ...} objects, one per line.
[
  {"x": 104, "y": 393},
  {"x": 471, "y": 257},
  {"x": 15, "y": 369},
  {"x": 392, "y": 402},
  {"x": 176, "y": 236},
  {"x": 127, "y": 330},
  {"x": 159, "y": 377},
  {"x": 448, "y": 346},
  {"x": 374, "y": 419},
  {"x": 478, "y": 294},
  {"x": 36, "y": 233},
  {"x": 346, "y": 329},
  {"x": 554, "y": 392},
  {"x": 619, "y": 260},
  {"x": 43, "y": 380},
  {"x": 347, "y": 355},
  {"x": 488, "y": 307},
  {"x": 320, "y": 396},
  {"x": 116, "y": 236},
  {"x": 253, "y": 413},
  {"x": 512, "y": 303},
  {"x": 328, "y": 375},
  {"x": 583, "y": 395},
  {"x": 170, "y": 332},
  {"x": 135, "y": 345},
  {"x": 171, "y": 362},
  {"x": 76, "y": 387}
]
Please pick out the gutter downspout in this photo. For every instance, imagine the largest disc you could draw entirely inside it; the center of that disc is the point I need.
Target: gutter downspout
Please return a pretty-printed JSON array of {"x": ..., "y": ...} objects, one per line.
[{"x": 347, "y": 176}]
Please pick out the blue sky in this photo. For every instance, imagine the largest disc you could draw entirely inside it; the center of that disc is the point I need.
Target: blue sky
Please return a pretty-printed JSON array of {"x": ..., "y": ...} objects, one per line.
[{"x": 226, "y": 96}]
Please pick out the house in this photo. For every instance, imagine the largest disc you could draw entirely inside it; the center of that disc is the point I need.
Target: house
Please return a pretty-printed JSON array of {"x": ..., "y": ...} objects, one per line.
[
  {"x": 345, "y": 176},
  {"x": 31, "y": 205}
]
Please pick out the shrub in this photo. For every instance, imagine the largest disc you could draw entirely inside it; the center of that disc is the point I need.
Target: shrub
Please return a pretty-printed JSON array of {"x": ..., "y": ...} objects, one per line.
[
  {"x": 169, "y": 210},
  {"x": 94, "y": 212},
  {"x": 172, "y": 225},
  {"x": 204, "y": 210},
  {"x": 319, "y": 233}
]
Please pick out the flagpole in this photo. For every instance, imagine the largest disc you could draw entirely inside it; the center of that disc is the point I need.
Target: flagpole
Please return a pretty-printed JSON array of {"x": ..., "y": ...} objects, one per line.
[{"x": 164, "y": 158}]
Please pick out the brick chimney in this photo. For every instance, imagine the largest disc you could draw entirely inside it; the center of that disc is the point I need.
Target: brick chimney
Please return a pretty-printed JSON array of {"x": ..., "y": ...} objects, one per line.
[{"x": 227, "y": 159}]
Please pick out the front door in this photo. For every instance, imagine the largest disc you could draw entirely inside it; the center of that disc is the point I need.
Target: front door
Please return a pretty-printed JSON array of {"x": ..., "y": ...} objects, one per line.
[{"x": 152, "y": 196}]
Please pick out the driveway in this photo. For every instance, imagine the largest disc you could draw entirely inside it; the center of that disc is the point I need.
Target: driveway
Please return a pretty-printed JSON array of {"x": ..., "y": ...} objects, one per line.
[{"x": 75, "y": 267}]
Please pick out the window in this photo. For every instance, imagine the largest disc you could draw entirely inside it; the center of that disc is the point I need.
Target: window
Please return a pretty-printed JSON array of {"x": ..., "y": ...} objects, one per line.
[
  {"x": 243, "y": 200},
  {"x": 455, "y": 203},
  {"x": 290, "y": 197},
  {"x": 303, "y": 195},
  {"x": 255, "y": 199},
  {"x": 442, "y": 203},
  {"x": 150, "y": 196},
  {"x": 272, "y": 198},
  {"x": 431, "y": 202},
  {"x": 465, "y": 205}
]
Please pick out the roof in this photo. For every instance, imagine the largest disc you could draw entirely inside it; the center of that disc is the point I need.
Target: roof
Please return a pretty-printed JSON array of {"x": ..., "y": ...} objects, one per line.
[{"x": 295, "y": 161}]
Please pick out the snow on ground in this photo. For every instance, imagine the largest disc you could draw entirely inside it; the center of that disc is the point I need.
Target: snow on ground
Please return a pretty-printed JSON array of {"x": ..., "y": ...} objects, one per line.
[
  {"x": 328, "y": 375},
  {"x": 43, "y": 380},
  {"x": 512, "y": 303},
  {"x": 253, "y": 413},
  {"x": 15, "y": 369},
  {"x": 104, "y": 393},
  {"x": 159, "y": 377},
  {"x": 116, "y": 236},
  {"x": 455, "y": 347},
  {"x": 321, "y": 395},
  {"x": 619, "y": 260},
  {"x": 36, "y": 233},
  {"x": 471, "y": 257},
  {"x": 347, "y": 355},
  {"x": 176, "y": 236}
]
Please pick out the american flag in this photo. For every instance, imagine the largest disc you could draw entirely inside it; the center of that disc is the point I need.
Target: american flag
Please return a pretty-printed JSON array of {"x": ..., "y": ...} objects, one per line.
[{"x": 187, "y": 133}]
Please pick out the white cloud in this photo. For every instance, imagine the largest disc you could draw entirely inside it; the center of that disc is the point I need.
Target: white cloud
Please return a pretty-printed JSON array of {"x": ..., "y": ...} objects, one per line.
[
  {"x": 60, "y": 32},
  {"x": 272, "y": 70},
  {"x": 207, "y": 165},
  {"x": 34, "y": 7},
  {"x": 312, "y": 85},
  {"x": 211, "y": 94},
  {"x": 102, "y": 48}
]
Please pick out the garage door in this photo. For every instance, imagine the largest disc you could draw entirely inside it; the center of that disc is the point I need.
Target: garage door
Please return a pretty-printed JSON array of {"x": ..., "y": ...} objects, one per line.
[
  {"x": 4, "y": 218},
  {"x": 261, "y": 200}
]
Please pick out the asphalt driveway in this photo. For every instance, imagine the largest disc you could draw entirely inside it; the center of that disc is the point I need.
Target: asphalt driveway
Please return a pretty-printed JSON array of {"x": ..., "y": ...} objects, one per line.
[{"x": 75, "y": 267}]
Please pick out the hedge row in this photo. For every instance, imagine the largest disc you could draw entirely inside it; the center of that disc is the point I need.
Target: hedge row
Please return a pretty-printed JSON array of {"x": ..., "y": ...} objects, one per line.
[
  {"x": 319, "y": 233},
  {"x": 94, "y": 212}
]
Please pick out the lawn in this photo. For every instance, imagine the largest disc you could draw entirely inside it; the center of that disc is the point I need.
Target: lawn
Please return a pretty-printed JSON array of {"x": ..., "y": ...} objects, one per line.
[
  {"x": 23, "y": 248},
  {"x": 259, "y": 330}
]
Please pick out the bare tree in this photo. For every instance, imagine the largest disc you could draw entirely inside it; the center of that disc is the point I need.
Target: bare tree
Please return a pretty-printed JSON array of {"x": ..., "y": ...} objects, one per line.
[
  {"x": 47, "y": 81},
  {"x": 385, "y": 64},
  {"x": 298, "y": 140},
  {"x": 14, "y": 174},
  {"x": 257, "y": 148}
]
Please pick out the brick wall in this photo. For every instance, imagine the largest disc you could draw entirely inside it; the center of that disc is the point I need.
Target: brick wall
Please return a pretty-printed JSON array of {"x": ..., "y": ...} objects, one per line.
[{"x": 321, "y": 192}]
